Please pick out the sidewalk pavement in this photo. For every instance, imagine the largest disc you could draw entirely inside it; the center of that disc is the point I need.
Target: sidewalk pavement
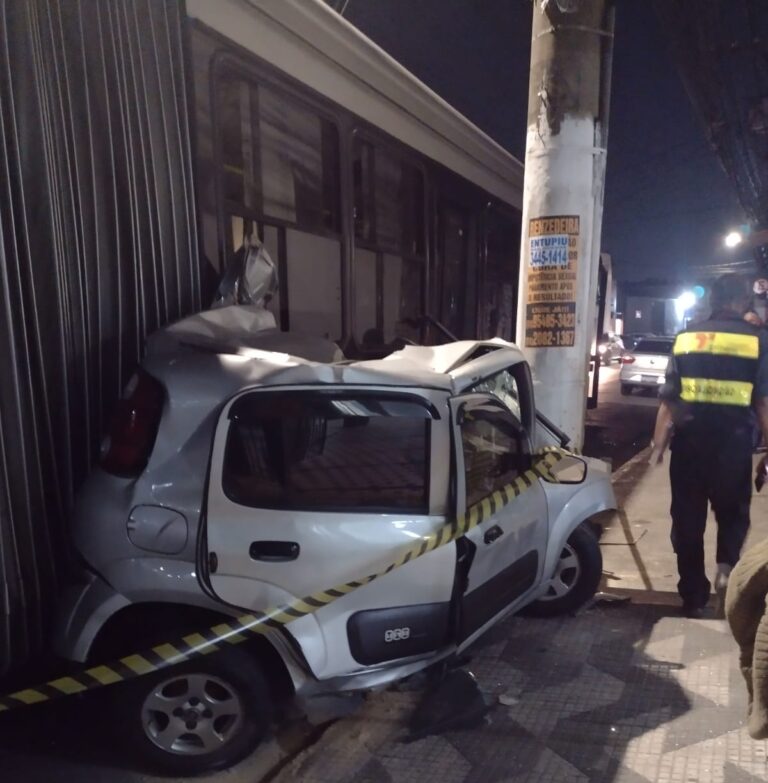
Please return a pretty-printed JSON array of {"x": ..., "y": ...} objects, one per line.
[
  {"x": 649, "y": 565},
  {"x": 620, "y": 693}
]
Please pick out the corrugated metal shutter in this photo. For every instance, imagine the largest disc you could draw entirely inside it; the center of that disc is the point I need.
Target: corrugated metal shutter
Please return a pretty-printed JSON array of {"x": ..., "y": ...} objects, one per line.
[{"x": 98, "y": 249}]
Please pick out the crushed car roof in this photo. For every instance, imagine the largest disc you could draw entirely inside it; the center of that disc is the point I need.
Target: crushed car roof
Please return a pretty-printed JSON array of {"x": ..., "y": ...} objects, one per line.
[{"x": 234, "y": 369}]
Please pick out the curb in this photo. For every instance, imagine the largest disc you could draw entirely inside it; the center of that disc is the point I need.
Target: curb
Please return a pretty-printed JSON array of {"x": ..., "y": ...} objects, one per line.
[
  {"x": 626, "y": 477},
  {"x": 641, "y": 456}
]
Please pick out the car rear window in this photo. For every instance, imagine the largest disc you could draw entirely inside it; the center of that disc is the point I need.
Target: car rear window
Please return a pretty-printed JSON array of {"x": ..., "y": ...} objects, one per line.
[
  {"x": 654, "y": 346},
  {"x": 325, "y": 452}
]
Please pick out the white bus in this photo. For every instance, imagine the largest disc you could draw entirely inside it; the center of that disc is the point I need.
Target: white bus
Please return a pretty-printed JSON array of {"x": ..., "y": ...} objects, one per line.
[
  {"x": 379, "y": 202},
  {"x": 140, "y": 143}
]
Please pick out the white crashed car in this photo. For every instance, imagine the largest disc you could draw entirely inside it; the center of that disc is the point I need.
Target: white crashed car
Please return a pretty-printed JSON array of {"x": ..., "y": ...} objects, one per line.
[{"x": 239, "y": 479}]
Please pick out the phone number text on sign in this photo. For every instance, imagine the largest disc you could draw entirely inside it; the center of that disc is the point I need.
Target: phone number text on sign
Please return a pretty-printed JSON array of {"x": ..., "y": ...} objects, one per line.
[
  {"x": 549, "y": 251},
  {"x": 553, "y": 254},
  {"x": 550, "y": 325}
]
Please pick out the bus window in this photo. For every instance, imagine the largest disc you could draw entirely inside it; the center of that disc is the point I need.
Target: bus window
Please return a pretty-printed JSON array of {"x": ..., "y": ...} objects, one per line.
[
  {"x": 278, "y": 158},
  {"x": 402, "y": 288},
  {"x": 362, "y": 175},
  {"x": 299, "y": 164},
  {"x": 279, "y": 171},
  {"x": 390, "y": 245},
  {"x": 389, "y": 209},
  {"x": 414, "y": 235},
  {"x": 498, "y": 301},
  {"x": 237, "y": 176},
  {"x": 454, "y": 247}
]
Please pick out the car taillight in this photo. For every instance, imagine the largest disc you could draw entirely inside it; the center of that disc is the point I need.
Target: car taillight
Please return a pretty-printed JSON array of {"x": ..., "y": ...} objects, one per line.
[
  {"x": 627, "y": 359},
  {"x": 126, "y": 449}
]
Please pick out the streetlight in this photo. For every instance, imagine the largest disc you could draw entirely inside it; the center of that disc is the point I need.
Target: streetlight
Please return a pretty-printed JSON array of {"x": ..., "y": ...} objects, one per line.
[{"x": 734, "y": 239}]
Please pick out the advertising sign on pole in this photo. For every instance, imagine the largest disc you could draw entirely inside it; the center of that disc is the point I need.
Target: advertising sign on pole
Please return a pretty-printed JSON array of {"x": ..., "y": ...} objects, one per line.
[{"x": 553, "y": 257}]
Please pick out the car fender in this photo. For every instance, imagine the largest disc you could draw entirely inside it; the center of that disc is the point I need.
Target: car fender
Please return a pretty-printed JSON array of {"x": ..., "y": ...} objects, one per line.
[
  {"x": 144, "y": 580},
  {"x": 88, "y": 606},
  {"x": 571, "y": 504},
  {"x": 82, "y": 613},
  {"x": 167, "y": 580}
]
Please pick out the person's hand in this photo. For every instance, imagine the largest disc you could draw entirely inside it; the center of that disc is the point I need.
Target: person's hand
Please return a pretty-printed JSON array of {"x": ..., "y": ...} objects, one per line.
[
  {"x": 656, "y": 455},
  {"x": 761, "y": 473}
]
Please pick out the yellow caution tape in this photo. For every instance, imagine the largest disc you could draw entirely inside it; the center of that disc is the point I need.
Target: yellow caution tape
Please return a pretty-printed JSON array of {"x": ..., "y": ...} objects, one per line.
[{"x": 240, "y": 629}]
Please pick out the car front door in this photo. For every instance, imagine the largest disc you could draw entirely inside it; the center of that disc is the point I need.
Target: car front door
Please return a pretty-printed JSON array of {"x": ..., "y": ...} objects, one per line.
[
  {"x": 314, "y": 488},
  {"x": 505, "y": 552}
]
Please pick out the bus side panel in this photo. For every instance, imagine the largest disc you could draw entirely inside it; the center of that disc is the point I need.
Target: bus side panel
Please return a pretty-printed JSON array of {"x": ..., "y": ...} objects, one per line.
[{"x": 314, "y": 182}]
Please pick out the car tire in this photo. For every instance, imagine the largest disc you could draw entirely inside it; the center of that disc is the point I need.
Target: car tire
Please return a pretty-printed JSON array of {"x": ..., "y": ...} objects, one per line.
[
  {"x": 626, "y": 390},
  {"x": 220, "y": 700},
  {"x": 578, "y": 571}
]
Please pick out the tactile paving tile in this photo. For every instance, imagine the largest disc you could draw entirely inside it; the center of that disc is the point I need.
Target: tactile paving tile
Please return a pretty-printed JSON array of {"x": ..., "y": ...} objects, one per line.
[
  {"x": 620, "y": 695},
  {"x": 428, "y": 760}
]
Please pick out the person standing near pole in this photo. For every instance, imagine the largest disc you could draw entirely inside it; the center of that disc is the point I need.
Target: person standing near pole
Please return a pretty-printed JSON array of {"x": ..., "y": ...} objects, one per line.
[{"x": 717, "y": 374}]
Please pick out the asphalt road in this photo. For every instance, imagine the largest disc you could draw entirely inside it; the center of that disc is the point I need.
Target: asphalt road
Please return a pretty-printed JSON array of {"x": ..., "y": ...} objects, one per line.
[{"x": 620, "y": 426}]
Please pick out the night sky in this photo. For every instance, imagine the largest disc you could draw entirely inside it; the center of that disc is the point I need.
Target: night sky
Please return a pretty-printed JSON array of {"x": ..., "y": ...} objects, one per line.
[{"x": 668, "y": 201}]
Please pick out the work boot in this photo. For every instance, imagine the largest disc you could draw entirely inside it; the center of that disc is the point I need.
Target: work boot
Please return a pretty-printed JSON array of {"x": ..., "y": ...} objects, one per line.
[
  {"x": 694, "y": 611},
  {"x": 721, "y": 585}
]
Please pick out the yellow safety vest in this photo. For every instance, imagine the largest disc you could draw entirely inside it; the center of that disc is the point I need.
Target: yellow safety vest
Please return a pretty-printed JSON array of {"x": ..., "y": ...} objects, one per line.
[{"x": 717, "y": 367}]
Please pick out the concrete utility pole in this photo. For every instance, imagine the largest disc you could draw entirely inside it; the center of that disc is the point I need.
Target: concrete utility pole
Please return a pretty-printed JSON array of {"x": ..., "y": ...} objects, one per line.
[{"x": 563, "y": 200}]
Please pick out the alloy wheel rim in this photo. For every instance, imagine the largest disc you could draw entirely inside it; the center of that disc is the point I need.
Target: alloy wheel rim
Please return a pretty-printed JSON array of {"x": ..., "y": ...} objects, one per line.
[
  {"x": 191, "y": 714},
  {"x": 567, "y": 573}
]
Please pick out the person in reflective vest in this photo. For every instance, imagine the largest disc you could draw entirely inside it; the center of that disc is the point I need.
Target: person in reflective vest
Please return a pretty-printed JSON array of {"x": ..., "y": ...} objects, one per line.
[{"x": 717, "y": 375}]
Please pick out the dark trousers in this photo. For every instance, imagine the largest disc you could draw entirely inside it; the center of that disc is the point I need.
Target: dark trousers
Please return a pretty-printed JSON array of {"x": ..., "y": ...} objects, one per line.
[{"x": 703, "y": 469}]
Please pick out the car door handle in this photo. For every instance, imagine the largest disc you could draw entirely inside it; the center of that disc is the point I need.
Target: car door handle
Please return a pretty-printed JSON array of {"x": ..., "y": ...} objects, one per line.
[
  {"x": 274, "y": 551},
  {"x": 492, "y": 534}
]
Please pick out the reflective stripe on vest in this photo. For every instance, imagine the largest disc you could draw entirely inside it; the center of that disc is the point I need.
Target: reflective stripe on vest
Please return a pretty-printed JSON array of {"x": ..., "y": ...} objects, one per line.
[
  {"x": 717, "y": 392},
  {"x": 745, "y": 346}
]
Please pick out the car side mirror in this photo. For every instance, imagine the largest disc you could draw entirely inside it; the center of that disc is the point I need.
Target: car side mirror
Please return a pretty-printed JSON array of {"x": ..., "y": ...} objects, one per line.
[{"x": 569, "y": 470}]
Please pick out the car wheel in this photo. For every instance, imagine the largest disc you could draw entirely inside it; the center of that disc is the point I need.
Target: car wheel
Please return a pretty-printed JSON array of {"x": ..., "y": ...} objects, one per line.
[
  {"x": 577, "y": 575},
  {"x": 626, "y": 390},
  {"x": 202, "y": 715}
]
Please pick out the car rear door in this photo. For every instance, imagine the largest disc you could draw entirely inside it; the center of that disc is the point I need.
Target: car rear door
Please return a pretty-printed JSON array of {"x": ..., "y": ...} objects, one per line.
[
  {"x": 506, "y": 552},
  {"x": 313, "y": 488}
]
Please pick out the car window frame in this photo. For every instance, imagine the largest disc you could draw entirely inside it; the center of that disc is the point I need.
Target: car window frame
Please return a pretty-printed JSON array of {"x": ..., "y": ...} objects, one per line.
[
  {"x": 459, "y": 468},
  {"x": 432, "y": 416},
  {"x": 521, "y": 374}
]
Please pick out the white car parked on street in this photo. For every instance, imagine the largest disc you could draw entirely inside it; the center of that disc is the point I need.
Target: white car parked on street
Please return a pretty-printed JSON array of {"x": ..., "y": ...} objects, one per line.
[
  {"x": 236, "y": 479},
  {"x": 646, "y": 365}
]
